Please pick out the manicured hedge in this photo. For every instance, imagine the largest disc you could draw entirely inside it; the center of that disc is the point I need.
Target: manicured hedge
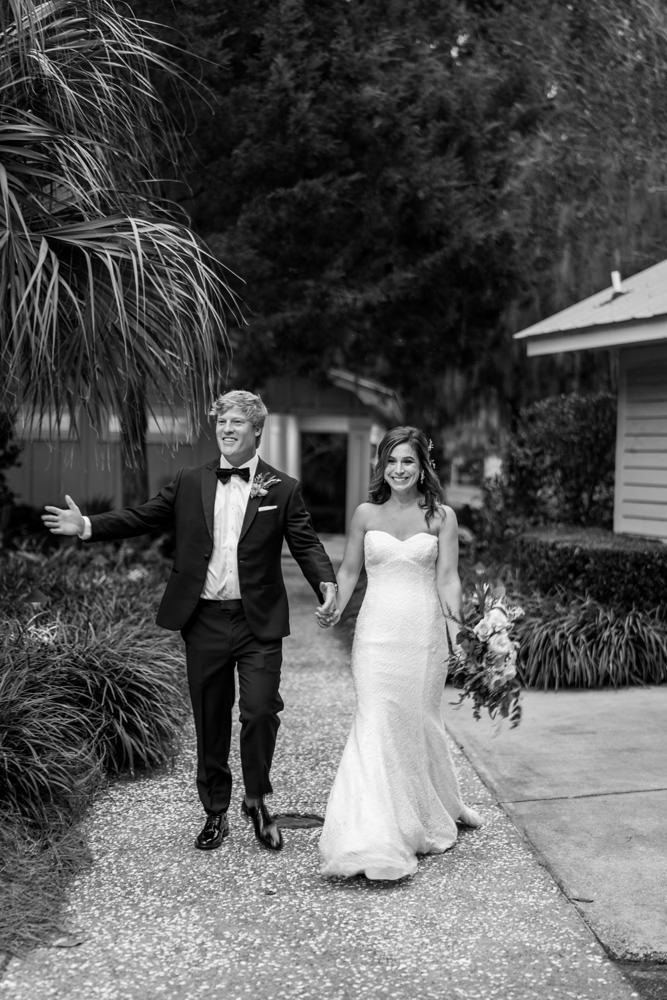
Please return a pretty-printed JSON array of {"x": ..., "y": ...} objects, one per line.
[{"x": 622, "y": 572}]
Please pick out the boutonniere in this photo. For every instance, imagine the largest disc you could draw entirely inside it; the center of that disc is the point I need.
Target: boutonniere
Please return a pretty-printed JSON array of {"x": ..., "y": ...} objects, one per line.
[{"x": 261, "y": 483}]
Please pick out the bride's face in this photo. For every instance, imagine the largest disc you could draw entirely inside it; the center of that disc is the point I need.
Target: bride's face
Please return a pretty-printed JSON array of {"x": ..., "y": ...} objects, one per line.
[{"x": 402, "y": 469}]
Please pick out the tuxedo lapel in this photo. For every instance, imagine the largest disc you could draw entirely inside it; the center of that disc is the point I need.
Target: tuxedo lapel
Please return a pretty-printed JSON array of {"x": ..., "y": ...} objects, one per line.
[
  {"x": 209, "y": 483},
  {"x": 254, "y": 503}
]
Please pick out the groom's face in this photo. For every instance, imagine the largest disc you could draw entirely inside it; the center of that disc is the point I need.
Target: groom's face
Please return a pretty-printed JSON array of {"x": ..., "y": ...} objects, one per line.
[{"x": 236, "y": 436}]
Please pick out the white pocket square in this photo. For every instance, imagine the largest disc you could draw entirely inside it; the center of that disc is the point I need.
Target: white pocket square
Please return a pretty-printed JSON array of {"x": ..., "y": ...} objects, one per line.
[{"x": 273, "y": 507}]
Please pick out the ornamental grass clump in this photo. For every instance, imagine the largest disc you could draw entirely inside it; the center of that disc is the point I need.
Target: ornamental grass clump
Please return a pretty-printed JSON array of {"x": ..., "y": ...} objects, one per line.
[
  {"x": 88, "y": 687},
  {"x": 131, "y": 685},
  {"x": 115, "y": 688},
  {"x": 580, "y": 643},
  {"x": 49, "y": 766}
]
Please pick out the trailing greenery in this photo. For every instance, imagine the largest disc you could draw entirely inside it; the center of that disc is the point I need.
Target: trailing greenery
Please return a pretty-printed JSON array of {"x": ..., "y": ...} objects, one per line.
[
  {"x": 49, "y": 766},
  {"x": 580, "y": 643},
  {"x": 620, "y": 571}
]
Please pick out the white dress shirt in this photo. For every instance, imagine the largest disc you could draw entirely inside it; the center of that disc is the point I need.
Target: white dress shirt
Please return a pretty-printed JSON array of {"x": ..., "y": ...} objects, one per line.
[{"x": 231, "y": 500}]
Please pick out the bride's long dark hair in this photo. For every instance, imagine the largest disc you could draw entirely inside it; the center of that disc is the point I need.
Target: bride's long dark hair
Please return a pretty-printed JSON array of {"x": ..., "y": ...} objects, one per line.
[{"x": 428, "y": 483}]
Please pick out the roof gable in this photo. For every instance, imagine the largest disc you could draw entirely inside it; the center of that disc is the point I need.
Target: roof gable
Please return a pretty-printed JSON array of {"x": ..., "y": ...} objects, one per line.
[{"x": 636, "y": 314}]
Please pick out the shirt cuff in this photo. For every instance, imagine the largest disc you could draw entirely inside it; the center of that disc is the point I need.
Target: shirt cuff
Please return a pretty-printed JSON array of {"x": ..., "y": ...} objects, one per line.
[{"x": 87, "y": 530}]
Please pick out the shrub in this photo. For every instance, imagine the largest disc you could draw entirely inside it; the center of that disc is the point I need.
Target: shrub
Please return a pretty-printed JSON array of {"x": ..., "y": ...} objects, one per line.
[
  {"x": 86, "y": 679},
  {"x": 558, "y": 467},
  {"x": 113, "y": 689},
  {"x": 620, "y": 571},
  {"x": 582, "y": 644},
  {"x": 131, "y": 685},
  {"x": 48, "y": 766},
  {"x": 87, "y": 685},
  {"x": 560, "y": 460},
  {"x": 107, "y": 583}
]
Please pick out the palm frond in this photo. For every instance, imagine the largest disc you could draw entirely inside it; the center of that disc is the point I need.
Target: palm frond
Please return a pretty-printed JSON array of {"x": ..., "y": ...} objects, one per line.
[{"x": 102, "y": 287}]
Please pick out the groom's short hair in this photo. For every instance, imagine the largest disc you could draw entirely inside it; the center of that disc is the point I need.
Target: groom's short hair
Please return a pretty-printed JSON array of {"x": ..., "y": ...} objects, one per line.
[{"x": 249, "y": 403}]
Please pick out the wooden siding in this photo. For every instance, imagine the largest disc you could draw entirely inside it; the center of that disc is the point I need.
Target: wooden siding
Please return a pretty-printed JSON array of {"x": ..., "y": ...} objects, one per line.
[
  {"x": 89, "y": 470},
  {"x": 640, "y": 506}
]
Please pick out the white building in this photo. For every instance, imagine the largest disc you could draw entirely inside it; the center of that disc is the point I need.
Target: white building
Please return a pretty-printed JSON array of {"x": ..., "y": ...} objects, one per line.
[{"x": 630, "y": 318}]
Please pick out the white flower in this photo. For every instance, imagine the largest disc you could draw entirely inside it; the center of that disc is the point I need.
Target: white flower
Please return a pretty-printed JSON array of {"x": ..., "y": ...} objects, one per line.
[
  {"x": 500, "y": 644},
  {"x": 497, "y": 618},
  {"x": 482, "y": 630}
]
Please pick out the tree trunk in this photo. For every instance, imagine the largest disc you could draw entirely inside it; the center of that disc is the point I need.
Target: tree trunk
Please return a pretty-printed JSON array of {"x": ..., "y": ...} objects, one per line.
[{"x": 133, "y": 426}]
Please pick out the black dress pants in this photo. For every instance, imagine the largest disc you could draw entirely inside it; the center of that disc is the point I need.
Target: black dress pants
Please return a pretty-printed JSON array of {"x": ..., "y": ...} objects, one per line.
[{"x": 218, "y": 639}]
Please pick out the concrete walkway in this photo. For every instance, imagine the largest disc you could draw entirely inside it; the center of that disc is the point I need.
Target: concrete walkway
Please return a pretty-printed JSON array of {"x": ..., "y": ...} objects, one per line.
[
  {"x": 154, "y": 918},
  {"x": 584, "y": 777}
]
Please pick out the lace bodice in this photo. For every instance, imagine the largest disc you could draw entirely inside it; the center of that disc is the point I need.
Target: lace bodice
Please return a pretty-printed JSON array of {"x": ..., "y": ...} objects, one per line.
[{"x": 401, "y": 591}]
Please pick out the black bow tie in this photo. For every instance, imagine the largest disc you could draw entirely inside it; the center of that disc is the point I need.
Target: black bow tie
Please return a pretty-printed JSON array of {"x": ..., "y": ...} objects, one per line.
[{"x": 225, "y": 474}]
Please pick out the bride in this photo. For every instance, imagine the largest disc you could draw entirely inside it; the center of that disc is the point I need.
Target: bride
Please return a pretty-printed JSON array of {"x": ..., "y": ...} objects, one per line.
[{"x": 396, "y": 795}]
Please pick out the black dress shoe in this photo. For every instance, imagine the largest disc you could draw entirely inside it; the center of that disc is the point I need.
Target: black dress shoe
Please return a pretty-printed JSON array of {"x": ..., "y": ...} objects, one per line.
[
  {"x": 267, "y": 830},
  {"x": 216, "y": 828}
]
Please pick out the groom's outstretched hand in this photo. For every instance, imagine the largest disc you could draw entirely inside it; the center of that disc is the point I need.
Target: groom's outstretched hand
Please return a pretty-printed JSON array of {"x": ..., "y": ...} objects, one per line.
[{"x": 64, "y": 520}]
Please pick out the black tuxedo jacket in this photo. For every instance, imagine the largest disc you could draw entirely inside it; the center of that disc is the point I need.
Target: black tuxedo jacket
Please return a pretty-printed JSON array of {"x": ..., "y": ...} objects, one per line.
[{"x": 186, "y": 505}]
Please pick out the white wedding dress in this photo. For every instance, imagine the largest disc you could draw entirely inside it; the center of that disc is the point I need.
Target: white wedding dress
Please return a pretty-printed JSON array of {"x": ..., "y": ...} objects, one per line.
[{"x": 395, "y": 795}]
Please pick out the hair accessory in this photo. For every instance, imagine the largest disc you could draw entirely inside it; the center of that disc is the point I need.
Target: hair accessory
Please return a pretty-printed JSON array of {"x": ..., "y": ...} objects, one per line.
[{"x": 431, "y": 460}]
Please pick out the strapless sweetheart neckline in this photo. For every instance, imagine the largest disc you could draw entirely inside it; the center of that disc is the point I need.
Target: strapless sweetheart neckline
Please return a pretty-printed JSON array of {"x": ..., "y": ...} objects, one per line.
[{"x": 381, "y": 531}]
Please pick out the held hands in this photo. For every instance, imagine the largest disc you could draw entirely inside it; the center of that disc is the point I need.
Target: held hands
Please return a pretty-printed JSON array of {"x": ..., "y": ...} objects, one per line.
[
  {"x": 327, "y": 613},
  {"x": 326, "y": 621},
  {"x": 64, "y": 521}
]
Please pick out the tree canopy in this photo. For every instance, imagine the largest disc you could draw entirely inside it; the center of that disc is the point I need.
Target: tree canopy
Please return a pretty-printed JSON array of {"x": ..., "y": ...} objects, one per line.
[{"x": 402, "y": 186}]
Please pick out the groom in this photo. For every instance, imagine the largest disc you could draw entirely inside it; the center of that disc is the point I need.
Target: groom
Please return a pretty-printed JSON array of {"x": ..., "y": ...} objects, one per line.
[{"x": 226, "y": 595}]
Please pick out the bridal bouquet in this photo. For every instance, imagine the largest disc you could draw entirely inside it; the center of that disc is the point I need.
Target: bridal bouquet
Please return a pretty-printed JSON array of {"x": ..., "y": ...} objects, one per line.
[{"x": 484, "y": 664}]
